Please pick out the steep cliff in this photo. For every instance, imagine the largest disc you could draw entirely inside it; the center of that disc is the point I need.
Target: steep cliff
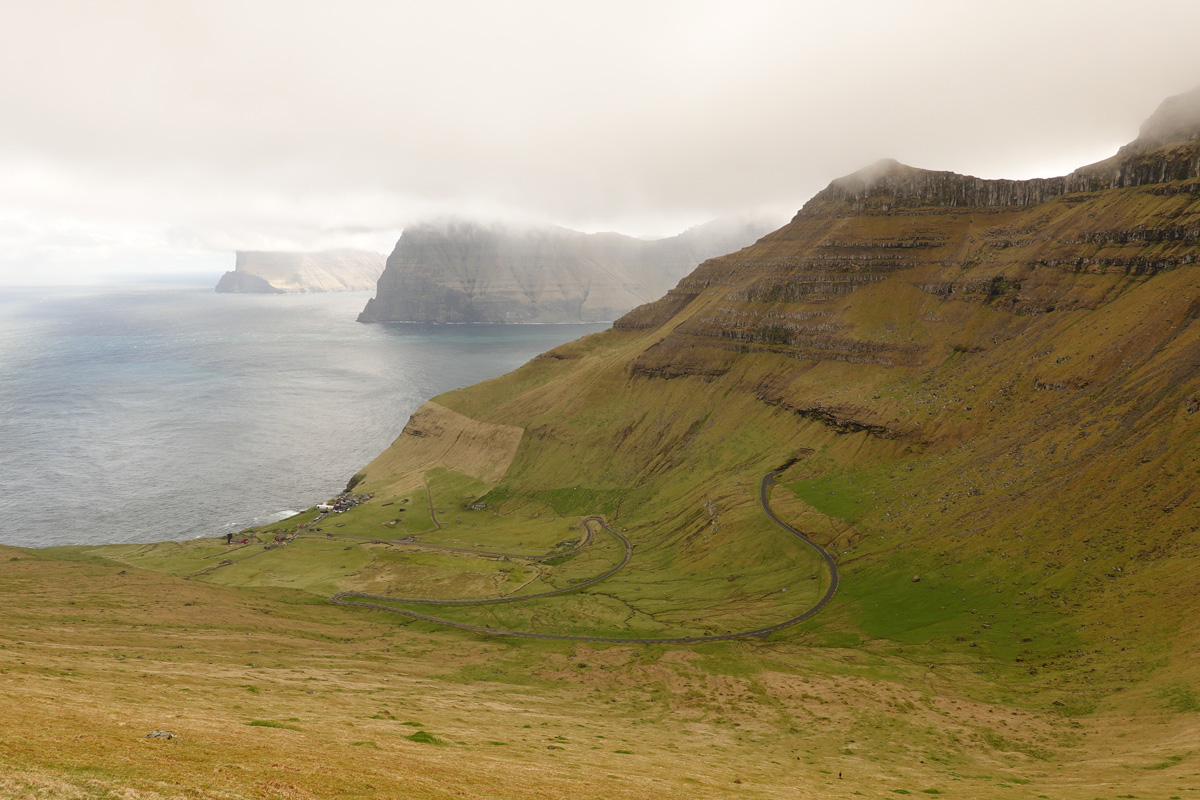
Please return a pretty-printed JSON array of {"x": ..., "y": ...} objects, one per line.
[
  {"x": 282, "y": 272},
  {"x": 463, "y": 271},
  {"x": 991, "y": 382}
]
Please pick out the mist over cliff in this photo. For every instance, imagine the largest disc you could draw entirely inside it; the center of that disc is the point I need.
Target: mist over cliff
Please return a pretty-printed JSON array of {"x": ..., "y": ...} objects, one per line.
[
  {"x": 1163, "y": 152},
  {"x": 268, "y": 272},
  {"x": 469, "y": 271}
]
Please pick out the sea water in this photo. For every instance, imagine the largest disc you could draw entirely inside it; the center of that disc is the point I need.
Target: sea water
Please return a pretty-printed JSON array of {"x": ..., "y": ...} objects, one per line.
[{"x": 151, "y": 413}]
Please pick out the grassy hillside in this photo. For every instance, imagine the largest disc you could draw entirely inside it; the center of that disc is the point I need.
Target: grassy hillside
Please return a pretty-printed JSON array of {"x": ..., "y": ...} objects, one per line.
[
  {"x": 274, "y": 693},
  {"x": 986, "y": 413}
]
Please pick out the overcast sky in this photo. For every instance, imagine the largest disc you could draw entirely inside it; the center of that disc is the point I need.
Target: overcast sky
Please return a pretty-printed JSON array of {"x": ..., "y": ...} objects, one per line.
[{"x": 160, "y": 136}]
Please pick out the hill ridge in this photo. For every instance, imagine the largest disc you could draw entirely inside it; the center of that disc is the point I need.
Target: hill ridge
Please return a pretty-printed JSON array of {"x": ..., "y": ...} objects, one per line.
[{"x": 1166, "y": 150}]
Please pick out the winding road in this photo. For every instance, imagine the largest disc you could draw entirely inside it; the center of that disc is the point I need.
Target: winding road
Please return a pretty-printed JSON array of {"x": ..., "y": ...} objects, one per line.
[{"x": 341, "y": 597}]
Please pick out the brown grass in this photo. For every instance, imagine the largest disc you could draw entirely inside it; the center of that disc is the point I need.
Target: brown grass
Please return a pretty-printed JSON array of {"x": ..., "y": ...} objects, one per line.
[{"x": 96, "y": 655}]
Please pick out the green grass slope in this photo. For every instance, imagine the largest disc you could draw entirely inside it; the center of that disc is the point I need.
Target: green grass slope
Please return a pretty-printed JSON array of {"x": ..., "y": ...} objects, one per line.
[{"x": 986, "y": 413}]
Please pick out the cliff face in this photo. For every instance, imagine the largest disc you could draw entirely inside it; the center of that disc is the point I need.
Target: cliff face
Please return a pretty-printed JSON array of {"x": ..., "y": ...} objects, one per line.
[
  {"x": 471, "y": 272},
  {"x": 325, "y": 271},
  {"x": 1165, "y": 151},
  {"x": 999, "y": 381},
  {"x": 892, "y": 271},
  {"x": 1020, "y": 245}
]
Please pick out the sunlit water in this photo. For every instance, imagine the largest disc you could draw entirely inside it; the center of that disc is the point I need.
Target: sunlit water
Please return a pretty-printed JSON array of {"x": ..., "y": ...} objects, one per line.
[{"x": 154, "y": 413}]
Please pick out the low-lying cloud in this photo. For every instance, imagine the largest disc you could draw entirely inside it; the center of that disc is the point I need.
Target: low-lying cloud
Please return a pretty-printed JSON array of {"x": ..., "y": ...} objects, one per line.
[{"x": 182, "y": 130}]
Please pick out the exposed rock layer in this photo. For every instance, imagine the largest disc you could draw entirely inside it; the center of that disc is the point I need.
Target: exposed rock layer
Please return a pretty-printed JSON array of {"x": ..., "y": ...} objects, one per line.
[
  {"x": 472, "y": 272},
  {"x": 1022, "y": 247},
  {"x": 281, "y": 272},
  {"x": 1164, "y": 151}
]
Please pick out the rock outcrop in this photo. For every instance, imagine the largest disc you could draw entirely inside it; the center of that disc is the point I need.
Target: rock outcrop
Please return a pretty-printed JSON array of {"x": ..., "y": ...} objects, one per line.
[
  {"x": 269, "y": 272},
  {"x": 1017, "y": 246},
  {"x": 463, "y": 271}
]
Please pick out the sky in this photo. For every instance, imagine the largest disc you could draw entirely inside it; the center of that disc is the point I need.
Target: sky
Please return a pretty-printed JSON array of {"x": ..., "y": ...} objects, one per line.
[{"x": 158, "y": 137}]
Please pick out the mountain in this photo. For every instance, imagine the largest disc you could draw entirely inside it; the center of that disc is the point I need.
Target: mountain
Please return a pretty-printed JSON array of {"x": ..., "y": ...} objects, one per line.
[
  {"x": 980, "y": 398},
  {"x": 466, "y": 271},
  {"x": 282, "y": 272},
  {"x": 984, "y": 398}
]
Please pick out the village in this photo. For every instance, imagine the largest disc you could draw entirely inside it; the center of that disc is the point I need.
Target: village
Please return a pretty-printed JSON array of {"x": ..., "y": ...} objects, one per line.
[{"x": 343, "y": 502}]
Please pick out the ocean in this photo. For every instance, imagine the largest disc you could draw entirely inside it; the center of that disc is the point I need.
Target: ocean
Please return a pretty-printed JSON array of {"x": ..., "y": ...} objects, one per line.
[{"x": 155, "y": 413}]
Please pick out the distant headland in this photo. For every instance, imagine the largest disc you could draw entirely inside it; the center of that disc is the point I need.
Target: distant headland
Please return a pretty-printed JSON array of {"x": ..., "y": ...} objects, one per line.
[
  {"x": 470, "y": 271},
  {"x": 266, "y": 272}
]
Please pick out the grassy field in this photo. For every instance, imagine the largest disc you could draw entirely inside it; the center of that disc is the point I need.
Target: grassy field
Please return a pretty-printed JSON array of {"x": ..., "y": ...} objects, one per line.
[{"x": 274, "y": 693}]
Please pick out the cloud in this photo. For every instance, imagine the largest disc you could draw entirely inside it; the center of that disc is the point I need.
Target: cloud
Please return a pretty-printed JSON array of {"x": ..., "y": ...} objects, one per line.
[{"x": 218, "y": 125}]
